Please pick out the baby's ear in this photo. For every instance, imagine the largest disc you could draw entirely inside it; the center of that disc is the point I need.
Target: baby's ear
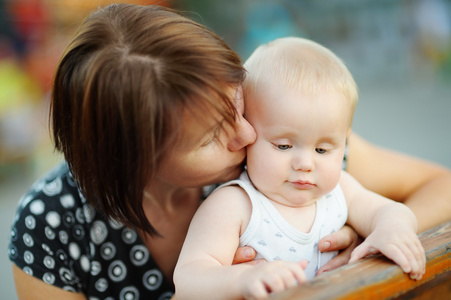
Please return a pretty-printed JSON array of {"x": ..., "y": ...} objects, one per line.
[{"x": 348, "y": 134}]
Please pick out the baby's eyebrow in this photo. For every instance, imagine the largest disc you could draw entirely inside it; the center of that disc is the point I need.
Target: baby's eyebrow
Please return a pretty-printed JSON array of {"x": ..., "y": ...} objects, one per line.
[
  {"x": 329, "y": 139},
  {"x": 238, "y": 96}
]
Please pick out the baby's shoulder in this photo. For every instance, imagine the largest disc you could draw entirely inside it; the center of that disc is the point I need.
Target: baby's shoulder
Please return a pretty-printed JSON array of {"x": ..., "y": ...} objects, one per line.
[
  {"x": 231, "y": 194},
  {"x": 229, "y": 201}
]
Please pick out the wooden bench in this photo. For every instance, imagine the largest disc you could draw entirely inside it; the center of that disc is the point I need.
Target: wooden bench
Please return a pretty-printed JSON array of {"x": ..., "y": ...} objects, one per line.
[{"x": 379, "y": 278}]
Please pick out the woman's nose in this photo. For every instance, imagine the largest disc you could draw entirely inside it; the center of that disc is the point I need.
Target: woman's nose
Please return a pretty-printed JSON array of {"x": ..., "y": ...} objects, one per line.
[{"x": 244, "y": 135}]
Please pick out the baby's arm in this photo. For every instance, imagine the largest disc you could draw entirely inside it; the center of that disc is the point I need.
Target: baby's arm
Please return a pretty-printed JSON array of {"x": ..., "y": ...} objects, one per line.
[
  {"x": 204, "y": 268},
  {"x": 389, "y": 227}
]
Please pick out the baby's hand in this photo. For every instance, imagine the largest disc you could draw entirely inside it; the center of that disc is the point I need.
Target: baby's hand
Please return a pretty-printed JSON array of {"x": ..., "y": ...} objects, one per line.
[
  {"x": 271, "y": 277},
  {"x": 399, "y": 243}
]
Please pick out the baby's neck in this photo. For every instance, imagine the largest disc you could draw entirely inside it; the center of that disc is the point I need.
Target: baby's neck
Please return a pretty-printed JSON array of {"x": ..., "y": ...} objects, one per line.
[{"x": 301, "y": 218}]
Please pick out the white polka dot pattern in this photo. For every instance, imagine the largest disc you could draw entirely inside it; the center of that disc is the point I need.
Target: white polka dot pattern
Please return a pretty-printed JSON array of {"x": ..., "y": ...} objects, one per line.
[{"x": 58, "y": 237}]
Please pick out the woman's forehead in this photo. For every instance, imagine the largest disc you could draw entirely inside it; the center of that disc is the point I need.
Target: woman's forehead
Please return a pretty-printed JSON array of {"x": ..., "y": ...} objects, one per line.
[
  {"x": 197, "y": 123},
  {"x": 204, "y": 117}
]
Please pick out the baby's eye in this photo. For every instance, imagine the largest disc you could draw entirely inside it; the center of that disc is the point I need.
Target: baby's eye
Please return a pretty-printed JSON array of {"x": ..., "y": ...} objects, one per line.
[
  {"x": 284, "y": 147},
  {"x": 320, "y": 150}
]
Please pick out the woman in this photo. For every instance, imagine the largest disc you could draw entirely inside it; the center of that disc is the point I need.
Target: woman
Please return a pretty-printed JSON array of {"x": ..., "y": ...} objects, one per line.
[{"x": 147, "y": 109}]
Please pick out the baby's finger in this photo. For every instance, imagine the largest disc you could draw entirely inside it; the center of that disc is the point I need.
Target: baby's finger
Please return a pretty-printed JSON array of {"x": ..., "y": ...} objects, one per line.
[
  {"x": 293, "y": 275},
  {"x": 299, "y": 271},
  {"x": 361, "y": 251},
  {"x": 417, "y": 259},
  {"x": 290, "y": 276},
  {"x": 400, "y": 255},
  {"x": 274, "y": 283},
  {"x": 413, "y": 260},
  {"x": 303, "y": 263},
  {"x": 414, "y": 253},
  {"x": 256, "y": 291},
  {"x": 422, "y": 255}
]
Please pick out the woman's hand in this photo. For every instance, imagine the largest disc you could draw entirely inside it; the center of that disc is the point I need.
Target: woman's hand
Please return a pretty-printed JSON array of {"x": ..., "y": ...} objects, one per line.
[
  {"x": 344, "y": 240},
  {"x": 245, "y": 254}
]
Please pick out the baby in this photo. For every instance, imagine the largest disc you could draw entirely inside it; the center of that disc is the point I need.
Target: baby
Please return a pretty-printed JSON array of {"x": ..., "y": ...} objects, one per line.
[{"x": 300, "y": 98}]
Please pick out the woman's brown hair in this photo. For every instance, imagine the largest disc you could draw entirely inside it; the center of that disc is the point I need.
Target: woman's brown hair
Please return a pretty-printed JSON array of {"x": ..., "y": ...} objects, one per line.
[{"x": 117, "y": 95}]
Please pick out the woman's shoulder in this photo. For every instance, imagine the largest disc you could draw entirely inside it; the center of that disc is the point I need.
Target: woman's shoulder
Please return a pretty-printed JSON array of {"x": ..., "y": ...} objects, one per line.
[
  {"x": 57, "y": 190},
  {"x": 57, "y": 236}
]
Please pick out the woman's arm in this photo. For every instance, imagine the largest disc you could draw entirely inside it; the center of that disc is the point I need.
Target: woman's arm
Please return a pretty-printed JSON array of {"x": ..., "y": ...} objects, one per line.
[
  {"x": 423, "y": 186},
  {"x": 32, "y": 288},
  {"x": 389, "y": 227}
]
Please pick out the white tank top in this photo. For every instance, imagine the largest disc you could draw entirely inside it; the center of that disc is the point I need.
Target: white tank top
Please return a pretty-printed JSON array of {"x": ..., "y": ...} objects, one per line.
[{"x": 274, "y": 238}]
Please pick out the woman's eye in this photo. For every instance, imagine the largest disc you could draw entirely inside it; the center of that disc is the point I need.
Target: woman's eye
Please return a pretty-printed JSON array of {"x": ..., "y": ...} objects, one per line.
[
  {"x": 284, "y": 147},
  {"x": 211, "y": 141},
  {"x": 320, "y": 150},
  {"x": 216, "y": 135}
]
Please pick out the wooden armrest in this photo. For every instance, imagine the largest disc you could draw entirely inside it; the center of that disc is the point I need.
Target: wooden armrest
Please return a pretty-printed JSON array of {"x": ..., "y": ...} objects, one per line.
[{"x": 379, "y": 278}]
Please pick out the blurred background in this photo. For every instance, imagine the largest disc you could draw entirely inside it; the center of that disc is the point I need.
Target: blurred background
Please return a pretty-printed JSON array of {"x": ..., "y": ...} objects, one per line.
[{"x": 398, "y": 51}]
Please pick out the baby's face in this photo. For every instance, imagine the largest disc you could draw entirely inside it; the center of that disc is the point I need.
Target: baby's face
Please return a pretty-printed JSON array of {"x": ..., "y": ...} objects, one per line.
[{"x": 300, "y": 144}]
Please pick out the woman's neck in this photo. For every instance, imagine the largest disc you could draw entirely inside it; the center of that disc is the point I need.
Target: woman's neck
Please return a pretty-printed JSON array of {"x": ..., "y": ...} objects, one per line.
[
  {"x": 170, "y": 211},
  {"x": 167, "y": 198}
]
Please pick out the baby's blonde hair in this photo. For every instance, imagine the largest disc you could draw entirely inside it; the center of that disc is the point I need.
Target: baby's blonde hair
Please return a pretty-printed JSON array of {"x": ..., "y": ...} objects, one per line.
[{"x": 301, "y": 64}]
